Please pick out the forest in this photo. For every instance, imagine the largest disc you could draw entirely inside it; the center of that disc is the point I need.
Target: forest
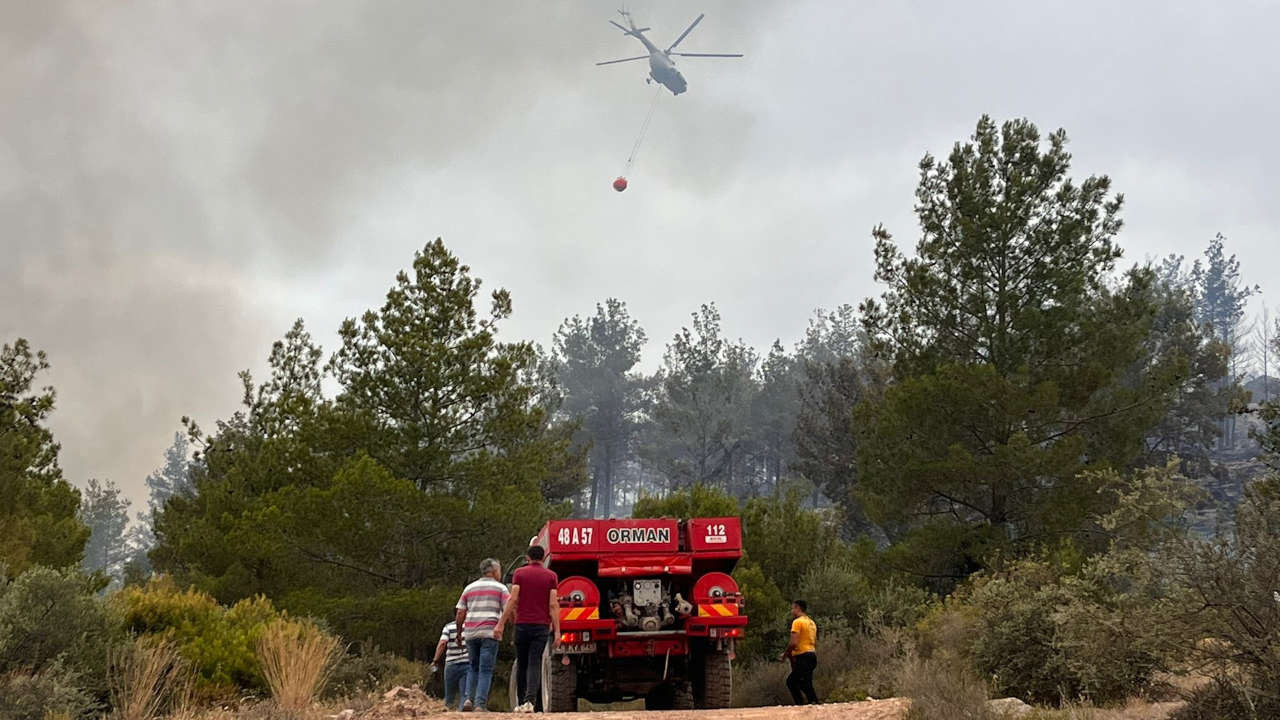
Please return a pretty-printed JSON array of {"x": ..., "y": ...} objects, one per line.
[{"x": 1030, "y": 467}]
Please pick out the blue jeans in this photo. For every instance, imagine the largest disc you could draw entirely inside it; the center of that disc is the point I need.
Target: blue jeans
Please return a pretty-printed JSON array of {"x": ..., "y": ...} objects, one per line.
[
  {"x": 483, "y": 652},
  {"x": 455, "y": 683}
]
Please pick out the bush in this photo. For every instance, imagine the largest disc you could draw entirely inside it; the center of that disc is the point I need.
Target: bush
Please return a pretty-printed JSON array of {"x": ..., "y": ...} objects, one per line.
[
  {"x": 220, "y": 643},
  {"x": 1235, "y": 626},
  {"x": 36, "y": 696},
  {"x": 769, "y": 621},
  {"x": 1047, "y": 638},
  {"x": 54, "y": 618},
  {"x": 946, "y": 632},
  {"x": 1227, "y": 699},
  {"x": 368, "y": 670}
]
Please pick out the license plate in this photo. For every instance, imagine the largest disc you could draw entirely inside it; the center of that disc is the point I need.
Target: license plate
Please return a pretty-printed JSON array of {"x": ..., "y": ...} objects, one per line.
[{"x": 577, "y": 648}]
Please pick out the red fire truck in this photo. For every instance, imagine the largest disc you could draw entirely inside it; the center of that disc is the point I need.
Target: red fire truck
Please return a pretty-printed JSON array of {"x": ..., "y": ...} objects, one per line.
[{"x": 647, "y": 609}]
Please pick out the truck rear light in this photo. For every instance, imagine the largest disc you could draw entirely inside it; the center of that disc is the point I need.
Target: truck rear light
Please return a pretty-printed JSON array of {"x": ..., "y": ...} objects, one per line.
[
  {"x": 569, "y": 637},
  {"x": 725, "y": 632}
]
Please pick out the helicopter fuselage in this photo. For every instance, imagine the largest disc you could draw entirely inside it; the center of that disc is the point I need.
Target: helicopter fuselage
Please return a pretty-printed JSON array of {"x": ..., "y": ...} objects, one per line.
[{"x": 661, "y": 68}]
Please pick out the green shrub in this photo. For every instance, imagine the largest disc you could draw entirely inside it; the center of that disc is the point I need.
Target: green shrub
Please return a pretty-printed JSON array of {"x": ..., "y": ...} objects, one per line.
[
  {"x": 1231, "y": 580},
  {"x": 55, "y": 618},
  {"x": 219, "y": 642},
  {"x": 51, "y": 691},
  {"x": 947, "y": 631},
  {"x": 1228, "y": 699},
  {"x": 364, "y": 670},
  {"x": 1046, "y": 637}
]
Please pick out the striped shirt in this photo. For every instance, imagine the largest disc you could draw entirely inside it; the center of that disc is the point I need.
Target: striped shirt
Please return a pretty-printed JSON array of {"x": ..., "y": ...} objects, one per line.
[
  {"x": 453, "y": 653},
  {"x": 483, "y": 600}
]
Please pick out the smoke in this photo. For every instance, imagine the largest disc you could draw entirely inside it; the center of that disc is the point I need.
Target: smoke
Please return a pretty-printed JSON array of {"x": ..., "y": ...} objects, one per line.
[{"x": 179, "y": 180}]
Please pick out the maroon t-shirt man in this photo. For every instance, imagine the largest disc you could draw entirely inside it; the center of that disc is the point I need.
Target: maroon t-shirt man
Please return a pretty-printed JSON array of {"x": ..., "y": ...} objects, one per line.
[
  {"x": 534, "y": 605},
  {"x": 532, "y": 586}
]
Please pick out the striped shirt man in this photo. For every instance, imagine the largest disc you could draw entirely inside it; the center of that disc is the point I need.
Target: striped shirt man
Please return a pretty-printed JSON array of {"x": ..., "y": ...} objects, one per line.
[
  {"x": 484, "y": 601},
  {"x": 454, "y": 651}
]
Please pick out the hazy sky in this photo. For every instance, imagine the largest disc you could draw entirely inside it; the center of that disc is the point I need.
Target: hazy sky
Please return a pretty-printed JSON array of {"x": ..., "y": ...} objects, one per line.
[{"x": 180, "y": 180}]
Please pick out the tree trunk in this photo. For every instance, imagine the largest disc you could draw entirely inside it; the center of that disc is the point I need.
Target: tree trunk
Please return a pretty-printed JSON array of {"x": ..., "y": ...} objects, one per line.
[
  {"x": 595, "y": 486},
  {"x": 608, "y": 482}
]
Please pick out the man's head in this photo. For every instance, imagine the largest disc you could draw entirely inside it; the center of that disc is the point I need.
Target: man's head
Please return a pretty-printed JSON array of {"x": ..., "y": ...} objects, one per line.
[
  {"x": 491, "y": 568},
  {"x": 537, "y": 553},
  {"x": 798, "y": 608}
]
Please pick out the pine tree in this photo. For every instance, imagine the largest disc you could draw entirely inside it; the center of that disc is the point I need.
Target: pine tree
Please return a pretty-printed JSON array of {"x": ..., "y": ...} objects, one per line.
[
  {"x": 698, "y": 429},
  {"x": 369, "y": 509},
  {"x": 837, "y": 372},
  {"x": 1017, "y": 363},
  {"x": 1190, "y": 427},
  {"x": 594, "y": 360},
  {"x": 773, "y": 416},
  {"x": 1221, "y": 303},
  {"x": 105, "y": 511},
  {"x": 173, "y": 478},
  {"x": 38, "y": 523}
]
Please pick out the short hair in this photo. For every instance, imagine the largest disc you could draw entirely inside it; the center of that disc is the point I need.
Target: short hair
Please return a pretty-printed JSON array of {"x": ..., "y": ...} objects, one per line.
[
  {"x": 537, "y": 552},
  {"x": 489, "y": 565},
  {"x": 804, "y": 606}
]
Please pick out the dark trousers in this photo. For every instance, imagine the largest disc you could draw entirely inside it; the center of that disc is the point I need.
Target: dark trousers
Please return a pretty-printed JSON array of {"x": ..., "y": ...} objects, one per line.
[
  {"x": 530, "y": 641},
  {"x": 800, "y": 681}
]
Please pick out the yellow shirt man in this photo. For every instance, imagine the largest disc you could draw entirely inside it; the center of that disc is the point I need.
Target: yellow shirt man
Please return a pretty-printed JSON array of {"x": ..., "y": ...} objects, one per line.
[
  {"x": 802, "y": 651},
  {"x": 806, "y": 632}
]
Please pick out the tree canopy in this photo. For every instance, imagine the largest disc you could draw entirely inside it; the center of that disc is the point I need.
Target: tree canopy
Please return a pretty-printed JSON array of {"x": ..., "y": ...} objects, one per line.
[
  {"x": 371, "y": 508},
  {"x": 38, "y": 522},
  {"x": 1020, "y": 361}
]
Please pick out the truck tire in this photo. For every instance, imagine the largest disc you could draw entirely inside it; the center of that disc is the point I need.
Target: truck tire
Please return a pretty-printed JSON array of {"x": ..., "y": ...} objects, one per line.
[
  {"x": 682, "y": 697},
  {"x": 559, "y": 683},
  {"x": 717, "y": 680},
  {"x": 672, "y": 696}
]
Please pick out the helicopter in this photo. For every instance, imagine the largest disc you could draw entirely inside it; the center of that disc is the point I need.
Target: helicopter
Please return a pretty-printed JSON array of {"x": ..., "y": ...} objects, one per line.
[{"x": 662, "y": 68}]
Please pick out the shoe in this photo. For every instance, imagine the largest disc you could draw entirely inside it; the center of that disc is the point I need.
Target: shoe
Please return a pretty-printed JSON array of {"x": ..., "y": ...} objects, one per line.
[
  {"x": 467, "y": 706},
  {"x": 525, "y": 708}
]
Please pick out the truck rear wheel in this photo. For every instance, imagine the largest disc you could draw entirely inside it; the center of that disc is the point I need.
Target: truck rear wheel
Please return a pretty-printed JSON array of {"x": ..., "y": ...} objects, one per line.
[
  {"x": 717, "y": 680},
  {"x": 673, "y": 696},
  {"x": 559, "y": 683}
]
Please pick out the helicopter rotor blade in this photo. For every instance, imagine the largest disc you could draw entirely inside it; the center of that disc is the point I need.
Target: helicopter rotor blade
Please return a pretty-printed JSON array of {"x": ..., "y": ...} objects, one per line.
[
  {"x": 709, "y": 54},
  {"x": 610, "y": 62},
  {"x": 632, "y": 31},
  {"x": 686, "y": 32}
]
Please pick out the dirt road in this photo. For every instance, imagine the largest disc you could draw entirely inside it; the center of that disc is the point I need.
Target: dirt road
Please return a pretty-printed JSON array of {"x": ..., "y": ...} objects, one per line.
[
  {"x": 891, "y": 709},
  {"x": 406, "y": 703}
]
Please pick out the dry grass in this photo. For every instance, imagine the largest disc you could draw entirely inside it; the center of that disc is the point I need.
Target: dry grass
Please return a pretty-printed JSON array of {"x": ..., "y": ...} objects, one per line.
[
  {"x": 942, "y": 691},
  {"x": 1132, "y": 710},
  {"x": 148, "y": 677},
  {"x": 296, "y": 659}
]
